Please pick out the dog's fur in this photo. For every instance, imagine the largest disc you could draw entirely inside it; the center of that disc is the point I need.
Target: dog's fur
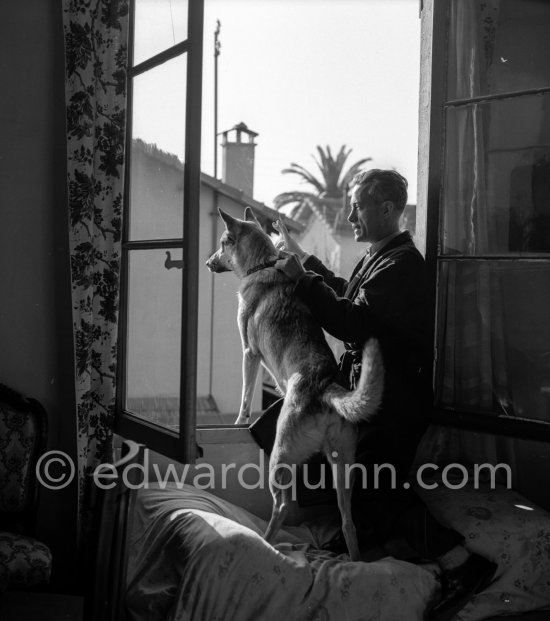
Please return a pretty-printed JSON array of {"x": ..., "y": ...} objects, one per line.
[{"x": 278, "y": 330}]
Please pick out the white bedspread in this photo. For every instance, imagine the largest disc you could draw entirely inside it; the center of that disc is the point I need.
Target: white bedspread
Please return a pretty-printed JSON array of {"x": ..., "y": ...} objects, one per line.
[{"x": 196, "y": 557}]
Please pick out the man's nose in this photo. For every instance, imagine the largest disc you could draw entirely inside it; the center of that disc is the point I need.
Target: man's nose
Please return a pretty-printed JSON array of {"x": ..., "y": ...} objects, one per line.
[{"x": 352, "y": 217}]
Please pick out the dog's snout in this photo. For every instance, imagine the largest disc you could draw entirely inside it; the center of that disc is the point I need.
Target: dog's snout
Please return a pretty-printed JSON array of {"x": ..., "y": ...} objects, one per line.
[
  {"x": 218, "y": 263},
  {"x": 215, "y": 265}
]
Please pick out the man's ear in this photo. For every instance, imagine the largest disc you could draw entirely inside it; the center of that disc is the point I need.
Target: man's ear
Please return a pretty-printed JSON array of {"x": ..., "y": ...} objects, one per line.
[
  {"x": 250, "y": 217},
  {"x": 388, "y": 207}
]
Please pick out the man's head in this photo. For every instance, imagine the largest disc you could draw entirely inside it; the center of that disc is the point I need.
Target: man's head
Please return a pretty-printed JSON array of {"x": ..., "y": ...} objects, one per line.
[{"x": 378, "y": 198}]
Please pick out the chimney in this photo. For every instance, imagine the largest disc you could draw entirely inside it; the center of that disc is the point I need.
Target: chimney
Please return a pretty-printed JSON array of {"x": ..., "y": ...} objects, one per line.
[{"x": 238, "y": 158}]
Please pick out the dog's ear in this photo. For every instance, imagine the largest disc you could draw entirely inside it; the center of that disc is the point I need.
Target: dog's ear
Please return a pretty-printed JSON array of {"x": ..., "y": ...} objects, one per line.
[
  {"x": 250, "y": 217},
  {"x": 230, "y": 221}
]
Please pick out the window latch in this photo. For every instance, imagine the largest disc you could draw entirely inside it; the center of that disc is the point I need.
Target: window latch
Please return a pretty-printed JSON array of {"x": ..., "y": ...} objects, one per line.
[{"x": 169, "y": 263}]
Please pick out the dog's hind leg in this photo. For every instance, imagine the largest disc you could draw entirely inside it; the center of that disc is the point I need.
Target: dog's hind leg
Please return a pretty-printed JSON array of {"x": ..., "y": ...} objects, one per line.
[
  {"x": 338, "y": 456},
  {"x": 280, "y": 483},
  {"x": 277, "y": 516}
]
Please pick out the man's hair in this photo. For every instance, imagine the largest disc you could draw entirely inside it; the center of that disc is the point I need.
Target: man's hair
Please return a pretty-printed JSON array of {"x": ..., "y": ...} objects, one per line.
[{"x": 383, "y": 185}]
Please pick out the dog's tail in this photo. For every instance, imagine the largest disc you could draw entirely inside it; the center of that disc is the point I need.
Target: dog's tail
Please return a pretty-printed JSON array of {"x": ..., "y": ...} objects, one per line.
[{"x": 362, "y": 403}]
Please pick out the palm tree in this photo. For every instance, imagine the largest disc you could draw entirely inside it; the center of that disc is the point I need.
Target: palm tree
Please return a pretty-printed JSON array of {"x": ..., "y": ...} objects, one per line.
[{"x": 332, "y": 187}]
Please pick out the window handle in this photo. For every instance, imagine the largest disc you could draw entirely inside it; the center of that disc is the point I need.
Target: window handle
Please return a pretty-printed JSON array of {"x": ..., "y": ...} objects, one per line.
[{"x": 169, "y": 263}]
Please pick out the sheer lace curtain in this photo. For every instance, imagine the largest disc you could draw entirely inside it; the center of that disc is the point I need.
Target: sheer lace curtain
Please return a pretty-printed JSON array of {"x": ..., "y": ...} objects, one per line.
[
  {"x": 472, "y": 366},
  {"x": 472, "y": 370}
]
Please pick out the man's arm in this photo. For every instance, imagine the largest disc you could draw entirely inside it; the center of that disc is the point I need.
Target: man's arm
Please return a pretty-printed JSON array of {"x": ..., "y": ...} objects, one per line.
[
  {"x": 339, "y": 285},
  {"x": 384, "y": 301},
  {"x": 339, "y": 316}
]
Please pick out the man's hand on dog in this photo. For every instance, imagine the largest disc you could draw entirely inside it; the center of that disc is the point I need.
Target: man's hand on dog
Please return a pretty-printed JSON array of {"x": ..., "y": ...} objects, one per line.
[
  {"x": 291, "y": 254},
  {"x": 286, "y": 242},
  {"x": 289, "y": 264}
]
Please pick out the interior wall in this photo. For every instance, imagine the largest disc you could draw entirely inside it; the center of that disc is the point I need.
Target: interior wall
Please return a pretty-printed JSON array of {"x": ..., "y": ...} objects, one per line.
[{"x": 35, "y": 311}]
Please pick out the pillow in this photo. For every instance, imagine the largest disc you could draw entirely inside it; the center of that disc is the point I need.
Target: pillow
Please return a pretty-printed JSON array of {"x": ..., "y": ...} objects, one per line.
[{"x": 504, "y": 527}]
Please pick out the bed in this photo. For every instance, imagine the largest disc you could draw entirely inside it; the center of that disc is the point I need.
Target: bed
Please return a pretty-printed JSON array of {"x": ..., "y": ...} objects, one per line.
[{"x": 196, "y": 557}]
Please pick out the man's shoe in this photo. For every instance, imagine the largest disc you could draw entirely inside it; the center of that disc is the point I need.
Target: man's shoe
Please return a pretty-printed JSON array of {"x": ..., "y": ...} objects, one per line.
[{"x": 461, "y": 584}]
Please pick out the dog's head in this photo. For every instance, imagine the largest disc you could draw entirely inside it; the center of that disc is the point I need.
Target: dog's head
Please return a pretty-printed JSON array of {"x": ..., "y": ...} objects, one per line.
[{"x": 243, "y": 245}]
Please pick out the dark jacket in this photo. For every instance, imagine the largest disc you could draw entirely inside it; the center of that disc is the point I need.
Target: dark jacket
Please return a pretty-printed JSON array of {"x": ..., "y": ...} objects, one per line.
[{"x": 386, "y": 298}]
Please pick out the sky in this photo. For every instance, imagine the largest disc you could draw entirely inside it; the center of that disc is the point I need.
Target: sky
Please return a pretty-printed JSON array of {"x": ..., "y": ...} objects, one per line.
[{"x": 300, "y": 73}]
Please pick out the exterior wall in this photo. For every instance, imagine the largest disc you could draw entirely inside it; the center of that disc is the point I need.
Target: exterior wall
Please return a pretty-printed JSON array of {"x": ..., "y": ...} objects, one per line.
[
  {"x": 351, "y": 253},
  {"x": 317, "y": 239},
  {"x": 156, "y": 193},
  {"x": 154, "y": 325},
  {"x": 154, "y": 318}
]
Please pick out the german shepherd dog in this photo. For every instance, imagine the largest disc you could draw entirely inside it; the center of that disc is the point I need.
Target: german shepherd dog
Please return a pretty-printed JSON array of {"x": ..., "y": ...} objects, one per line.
[{"x": 278, "y": 330}]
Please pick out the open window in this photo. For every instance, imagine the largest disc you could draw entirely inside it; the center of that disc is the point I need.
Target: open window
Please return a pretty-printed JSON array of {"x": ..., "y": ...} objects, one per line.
[
  {"x": 159, "y": 304},
  {"x": 180, "y": 350},
  {"x": 488, "y": 212},
  {"x": 482, "y": 218}
]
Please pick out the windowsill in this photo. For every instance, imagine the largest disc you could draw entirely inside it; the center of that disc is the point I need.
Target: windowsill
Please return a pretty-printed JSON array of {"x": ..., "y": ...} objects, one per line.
[
  {"x": 516, "y": 427},
  {"x": 224, "y": 435}
]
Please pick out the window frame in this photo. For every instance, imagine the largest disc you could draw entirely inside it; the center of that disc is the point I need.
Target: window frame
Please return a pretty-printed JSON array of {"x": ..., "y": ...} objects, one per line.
[
  {"x": 180, "y": 445},
  {"x": 433, "y": 106}
]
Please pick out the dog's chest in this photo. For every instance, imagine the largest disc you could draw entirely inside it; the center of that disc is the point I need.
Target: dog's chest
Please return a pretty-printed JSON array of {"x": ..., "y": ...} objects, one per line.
[
  {"x": 259, "y": 313},
  {"x": 247, "y": 317}
]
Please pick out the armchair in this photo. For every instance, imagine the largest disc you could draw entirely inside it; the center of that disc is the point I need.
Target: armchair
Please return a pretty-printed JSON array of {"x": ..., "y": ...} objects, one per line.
[{"x": 24, "y": 561}]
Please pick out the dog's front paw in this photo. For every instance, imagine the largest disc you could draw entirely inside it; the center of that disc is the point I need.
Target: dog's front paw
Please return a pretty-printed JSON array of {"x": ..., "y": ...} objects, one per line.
[{"x": 242, "y": 420}]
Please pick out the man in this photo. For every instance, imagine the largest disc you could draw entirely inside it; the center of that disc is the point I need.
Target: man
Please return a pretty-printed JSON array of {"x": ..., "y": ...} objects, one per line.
[{"x": 386, "y": 298}]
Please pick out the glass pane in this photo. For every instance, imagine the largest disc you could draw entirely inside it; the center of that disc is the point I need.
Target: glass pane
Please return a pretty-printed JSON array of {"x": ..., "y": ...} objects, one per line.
[
  {"x": 159, "y": 24},
  {"x": 154, "y": 335},
  {"x": 498, "y": 46},
  {"x": 496, "y": 187},
  {"x": 494, "y": 337},
  {"x": 158, "y": 147}
]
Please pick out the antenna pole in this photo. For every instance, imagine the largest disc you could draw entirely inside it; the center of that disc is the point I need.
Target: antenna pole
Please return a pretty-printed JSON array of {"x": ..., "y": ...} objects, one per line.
[{"x": 217, "y": 47}]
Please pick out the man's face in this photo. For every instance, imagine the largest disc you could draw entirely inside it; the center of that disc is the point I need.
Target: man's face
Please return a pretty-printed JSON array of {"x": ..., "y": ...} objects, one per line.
[{"x": 366, "y": 216}]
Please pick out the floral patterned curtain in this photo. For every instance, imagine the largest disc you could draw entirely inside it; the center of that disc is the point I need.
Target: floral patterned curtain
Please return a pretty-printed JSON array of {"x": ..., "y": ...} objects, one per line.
[{"x": 96, "y": 35}]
